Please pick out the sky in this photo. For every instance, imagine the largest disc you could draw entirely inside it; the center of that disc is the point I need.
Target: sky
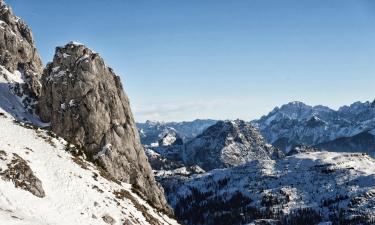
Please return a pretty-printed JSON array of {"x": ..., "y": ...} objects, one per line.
[{"x": 221, "y": 59}]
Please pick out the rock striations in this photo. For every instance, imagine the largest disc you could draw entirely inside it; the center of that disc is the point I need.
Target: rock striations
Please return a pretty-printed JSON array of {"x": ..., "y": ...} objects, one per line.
[
  {"x": 85, "y": 103},
  {"x": 18, "y": 51}
]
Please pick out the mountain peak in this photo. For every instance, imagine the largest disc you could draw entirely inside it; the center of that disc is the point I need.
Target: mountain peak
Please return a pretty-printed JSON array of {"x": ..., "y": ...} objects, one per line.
[
  {"x": 373, "y": 104},
  {"x": 226, "y": 144}
]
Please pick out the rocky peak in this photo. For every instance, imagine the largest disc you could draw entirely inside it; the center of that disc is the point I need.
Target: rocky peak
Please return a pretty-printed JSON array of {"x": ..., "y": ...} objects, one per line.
[
  {"x": 85, "y": 103},
  {"x": 226, "y": 144},
  {"x": 18, "y": 52},
  {"x": 373, "y": 104},
  {"x": 170, "y": 139}
]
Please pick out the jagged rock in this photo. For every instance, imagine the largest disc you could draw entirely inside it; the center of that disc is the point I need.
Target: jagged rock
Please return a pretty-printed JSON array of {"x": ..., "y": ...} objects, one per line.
[
  {"x": 20, "y": 173},
  {"x": 18, "y": 52},
  {"x": 226, "y": 144},
  {"x": 85, "y": 103}
]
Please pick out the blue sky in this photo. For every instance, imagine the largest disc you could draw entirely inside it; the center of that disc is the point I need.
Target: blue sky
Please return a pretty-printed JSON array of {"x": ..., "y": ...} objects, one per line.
[{"x": 221, "y": 59}]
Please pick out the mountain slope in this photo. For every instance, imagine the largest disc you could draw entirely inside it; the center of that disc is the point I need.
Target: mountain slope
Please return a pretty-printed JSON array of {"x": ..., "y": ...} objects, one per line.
[
  {"x": 227, "y": 143},
  {"x": 305, "y": 188},
  {"x": 364, "y": 142},
  {"x": 75, "y": 191}
]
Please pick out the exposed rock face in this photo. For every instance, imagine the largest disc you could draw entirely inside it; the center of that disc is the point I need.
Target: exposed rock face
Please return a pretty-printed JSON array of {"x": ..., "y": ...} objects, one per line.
[
  {"x": 227, "y": 144},
  {"x": 19, "y": 172},
  {"x": 18, "y": 52},
  {"x": 85, "y": 103}
]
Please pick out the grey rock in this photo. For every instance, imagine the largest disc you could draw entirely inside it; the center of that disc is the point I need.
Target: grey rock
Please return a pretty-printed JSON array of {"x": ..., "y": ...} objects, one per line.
[
  {"x": 20, "y": 173},
  {"x": 108, "y": 219},
  {"x": 18, "y": 51},
  {"x": 85, "y": 103}
]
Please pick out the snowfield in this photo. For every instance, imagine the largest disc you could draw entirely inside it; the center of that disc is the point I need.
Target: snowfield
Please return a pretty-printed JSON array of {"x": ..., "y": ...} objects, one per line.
[{"x": 75, "y": 191}]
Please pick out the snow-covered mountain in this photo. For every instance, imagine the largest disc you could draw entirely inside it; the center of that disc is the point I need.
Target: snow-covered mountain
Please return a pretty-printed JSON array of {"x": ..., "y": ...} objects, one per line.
[
  {"x": 151, "y": 131},
  {"x": 304, "y": 188},
  {"x": 297, "y": 123},
  {"x": 226, "y": 144}
]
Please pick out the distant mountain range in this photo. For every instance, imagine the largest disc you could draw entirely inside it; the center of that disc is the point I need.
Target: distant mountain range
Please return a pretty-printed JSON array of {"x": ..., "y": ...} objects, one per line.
[
  {"x": 297, "y": 123},
  {"x": 348, "y": 129}
]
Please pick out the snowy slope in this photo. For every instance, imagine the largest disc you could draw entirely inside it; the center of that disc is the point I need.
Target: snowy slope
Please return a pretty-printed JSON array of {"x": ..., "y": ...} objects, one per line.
[
  {"x": 75, "y": 191},
  {"x": 305, "y": 188}
]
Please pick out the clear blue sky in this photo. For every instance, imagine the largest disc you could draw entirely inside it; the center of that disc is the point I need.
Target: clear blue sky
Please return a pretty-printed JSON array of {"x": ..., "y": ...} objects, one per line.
[{"x": 222, "y": 59}]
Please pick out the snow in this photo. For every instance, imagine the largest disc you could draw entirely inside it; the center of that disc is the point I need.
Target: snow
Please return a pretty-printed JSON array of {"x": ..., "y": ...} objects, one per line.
[
  {"x": 106, "y": 148},
  {"x": 74, "y": 195},
  {"x": 72, "y": 103},
  {"x": 75, "y": 43},
  {"x": 13, "y": 104}
]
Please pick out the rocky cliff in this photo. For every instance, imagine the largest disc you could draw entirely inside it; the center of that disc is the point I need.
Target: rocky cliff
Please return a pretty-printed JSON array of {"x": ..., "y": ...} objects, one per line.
[
  {"x": 18, "y": 53},
  {"x": 85, "y": 103}
]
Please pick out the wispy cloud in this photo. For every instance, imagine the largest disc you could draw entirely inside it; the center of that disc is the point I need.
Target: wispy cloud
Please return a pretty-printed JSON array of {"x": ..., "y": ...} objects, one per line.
[{"x": 177, "y": 110}]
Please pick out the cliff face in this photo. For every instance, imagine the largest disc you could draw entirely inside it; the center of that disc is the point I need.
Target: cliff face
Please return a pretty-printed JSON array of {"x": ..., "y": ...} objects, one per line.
[
  {"x": 85, "y": 103},
  {"x": 18, "y": 52}
]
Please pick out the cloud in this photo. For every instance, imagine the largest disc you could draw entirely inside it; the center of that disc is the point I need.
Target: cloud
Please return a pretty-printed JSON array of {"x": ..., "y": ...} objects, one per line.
[{"x": 172, "y": 111}]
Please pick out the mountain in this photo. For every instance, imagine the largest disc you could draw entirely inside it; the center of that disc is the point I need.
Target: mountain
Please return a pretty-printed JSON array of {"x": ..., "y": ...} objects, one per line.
[
  {"x": 297, "y": 123},
  {"x": 84, "y": 102},
  {"x": 44, "y": 181},
  {"x": 304, "y": 188},
  {"x": 226, "y": 144},
  {"x": 151, "y": 132}
]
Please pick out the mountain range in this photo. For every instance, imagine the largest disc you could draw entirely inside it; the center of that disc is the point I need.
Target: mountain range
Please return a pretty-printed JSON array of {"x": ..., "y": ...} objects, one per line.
[{"x": 297, "y": 123}]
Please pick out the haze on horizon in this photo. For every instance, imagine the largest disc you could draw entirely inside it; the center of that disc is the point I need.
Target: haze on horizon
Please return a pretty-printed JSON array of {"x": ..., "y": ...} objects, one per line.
[{"x": 183, "y": 60}]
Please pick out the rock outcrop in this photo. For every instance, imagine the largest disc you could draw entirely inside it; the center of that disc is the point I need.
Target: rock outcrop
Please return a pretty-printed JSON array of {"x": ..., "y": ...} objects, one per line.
[
  {"x": 85, "y": 103},
  {"x": 18, "y": 52},
  {"x": 19, "y": 172}
]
